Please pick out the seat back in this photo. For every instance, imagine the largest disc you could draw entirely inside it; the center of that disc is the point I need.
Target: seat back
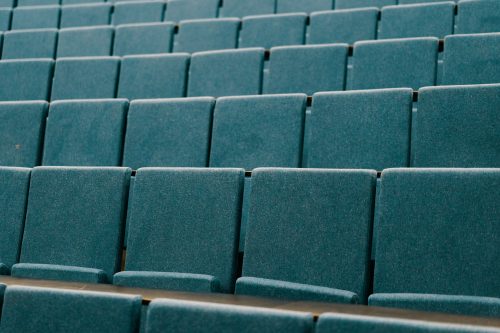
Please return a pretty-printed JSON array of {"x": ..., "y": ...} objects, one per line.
[
  {"x": 26, "y": 79},
  {"x": 144, "y": 38},
  {"x": 85, "y": 42},
  {"x": 28, "y": 44}
]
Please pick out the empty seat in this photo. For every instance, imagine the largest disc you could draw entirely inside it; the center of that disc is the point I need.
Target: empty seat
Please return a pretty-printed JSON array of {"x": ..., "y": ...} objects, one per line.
[
  {"x": 395, "y": 63},
  {"x": 240, "y": 8},
  {"x": 84, "y": 78},
  {"x": 343, "y": 26},
  {"x": 302, "y": 6},
  {"x": 138, "y": 12},
  {"x": 226, "y": 73},
  {"x": 457, "y": 126},
  {"x": 40, "y": 43},
  {"x": 183, "y": 229},
  {"x": 420, "y": 20},
  {"x": 85, "y": 132},
  {"x": 78, "y": 2},
  {"x": 171, "y": 133},
  {"x": 307, "y": 69},
  {"x": 85, "y": 15},
  {"x": 21, "y": 3},
  {"x": 85, "y": 42},
  {"x": 25, "y": 79},
  {"x": 273, "y": 30},
  {"x": 345, "y": 4},
  {"x": 206, "y": 35},
  {"x": 14, "y": 195},
  {"x": 165, "y": 316},
  {"x": 477, "y": 16},
  {"x": 153, "y": 76},
  {"x": 74, "y": 223},
  {"x": 178, "y": 10},
  {"x": 366, "y": 129},
  {"x": 410, "y": 2},
  {"x": 5, "y": 16},
  {"x": 258, "y": 131},
  {"x": 22, "y": 125},
  {"x": 320, "y": 221},
  {"x": 438, "y": 234},
  {"x": 36, "y": 17},
  {"x": 147, "y": 38},
  {"x": 31, "y": 309},
  {"x": 471, "y": 59}
]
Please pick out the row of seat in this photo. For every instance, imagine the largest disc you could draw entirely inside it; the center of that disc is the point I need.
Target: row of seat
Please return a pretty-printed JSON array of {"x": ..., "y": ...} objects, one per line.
[
  {"x": 455, "y": 126},
  {"x": 437, "y": 235},
  {"x": 42, "y": 309}
]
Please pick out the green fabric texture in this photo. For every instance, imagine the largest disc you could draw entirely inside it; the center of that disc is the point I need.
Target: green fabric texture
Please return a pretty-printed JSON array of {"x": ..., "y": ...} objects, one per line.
[
  {"x": 30, "y": 309},
  {"x": 238, "y": 8},
  {"x": 303, "y": 6},
  {"x": 178, "y": 10},
  {"x": 138, "y": 12},
  {"x": 144, "y": 38},
  {"x": 5, "y": 17},
  {"x": 35, "y": 17},
  {"x": 21, "y": 3},
  {"x": 478, "y": 16},
  {"x": 25, "y": 79},
  {"x": 40, "y": 43},
  {"x": 85, "y": 15},
  {"x": 85, "y": 42},
  {"x": 346, "y": 4},
  {"x": 59, "y": 272}
]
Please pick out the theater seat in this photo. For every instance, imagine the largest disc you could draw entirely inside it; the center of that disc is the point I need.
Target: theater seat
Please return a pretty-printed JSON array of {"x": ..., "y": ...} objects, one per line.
[
  {"x": 438, "y": 234},
  {"x": 25, "y": 79},
  {"x": 302, "y": 6},
  {"x": 78, "y": 2},
  {"x": 478, "y": 16},
  {"x": 319, "y": 220},
  {"x": 127, "y": 12},
  {"x": 86, "y": 14},
  {"x": 346, "y": 4},
  {"x": 144, "y": 38},
  {"x": 239, "y": 8},
  {"x": 184, "y": 316},
  {"x": 169, "y": 132},
  {"x": 5, "y": 17},
  {"x": 85, "y": 132},
  {"x": 39, "y": 43},
  {"x": 74, "y": 223},
  {"x": 31, "y": 309},
  {"x": 183, "y": 231},
  {"x": 21, "y": 3},
  {"x": 178, "y": 10},
  {"x": 85, "y": 42},
  {"x": 35, "y": 17}
]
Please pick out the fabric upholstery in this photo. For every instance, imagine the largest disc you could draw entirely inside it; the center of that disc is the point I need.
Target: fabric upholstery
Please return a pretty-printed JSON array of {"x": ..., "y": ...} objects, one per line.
[
  {"x": 257, "y": 131},
  {"x": 273, "y": 30},
  {"x": 238, "y": 8},
  {"x": 206, "y": 35},
  {"x": 85, "y": 132},
  {"x": 346, "y": 4},
  {"x": 85, "y": 78},
  {"x": 153, "y": 76},
  {"x": 186, "y": 220},
  {"x": 343, "y": 26},
  {"x": 59, "y": 272},
  {"x": 25, "y": 79},
  {"x": 366, "y": 129},
  {"x": 307, "y": 69},
  {"x": 88, "y": 204},
  {"x": 226, "y": 73},
  {"x": 457, "y": 126},
  {"x": 178, "y": 10},
  {"x": 477, "y": 16},
  {"x": 302, "y": 6},
  {"x": 184, "y": 316},
  {"x": 5, "y": 17},
  {"x": 35, "y": 17},
  {"x": 326, "y": 215},
  {"x": 144, "y": 38},
  {"x": 168, "y": 133},
  {"x": 85, "y": 42},
  {"x": 39, "y": 43},
  {"x": 21, "y": 3},
  {"x": 395, "y": 63},
  {"x": 138, "y": 12},
  {"x": 6, "y": 3},
  {"x": 30, "y": 309},
  {"x": 85, "y": 15},
  {"x": 79, "y": 2},
  {"x": 22, "y": 126}
]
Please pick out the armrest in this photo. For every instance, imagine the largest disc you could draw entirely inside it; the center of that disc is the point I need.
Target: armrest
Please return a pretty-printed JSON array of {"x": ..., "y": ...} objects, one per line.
[
  {"x": 4, "y": 269},
  {"x": 59, "y": 272}
]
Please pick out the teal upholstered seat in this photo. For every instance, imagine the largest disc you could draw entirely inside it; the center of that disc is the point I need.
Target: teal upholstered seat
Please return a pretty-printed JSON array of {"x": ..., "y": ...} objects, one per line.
[
  {"x": 419, "y": 20},
  {"x": 79, "y": 2},
  {"x": 35, "y": 17},
  {"x": 21, "y": 3},
  {"x": 206, "y": 35},
  {"x": 85, "y": 132},
  {"x": 319, "y": 220},
  {"x": 144, "y": 38},
  {"x": 343, "y": 26},
  {"x": 457, "y": 126},
  {"x": 25, "y": 79},
  {"x": 366, "y": 129},
  {"x": 345, "y": 4},
  {"x": 170, "y": 132},
  {"x": 31, "y": 309},
  {"x": 178, "y": 10},
  {"x": 226, "y": 73},
  {"x": 184, "y": 316},
  {"x": 477, "y": 16},
  {"x": 183, "y": 231},
  {"x": 14, "y": 195},
  {"x": 410, "y": 2},
  {"x": 238, "y": 8},
  {"x": 85, "y": 15},
  {"x": 302, "y": 6},
  {"x": 85, "y": 42},
  {"x": 258, "y": 131},
  {"x": 74, "y": 224},
  {"x": 6, "y": 3},
  {"x": 471, "y": 59},
  {"x": 22, "y": 126},
  {"x": 39, "y": 43},
  {"x": 153, "y": 76},
  {"x": 5, "y": 17},
  {"x": 138, "y": 12},
  {"x": 438, "y": 233},
  {"x": 307, "y": 69},
  {"x": 412, "y": 64},
  {"x": 273, "y": 30},
  {"x": 84, "y": 78}
]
